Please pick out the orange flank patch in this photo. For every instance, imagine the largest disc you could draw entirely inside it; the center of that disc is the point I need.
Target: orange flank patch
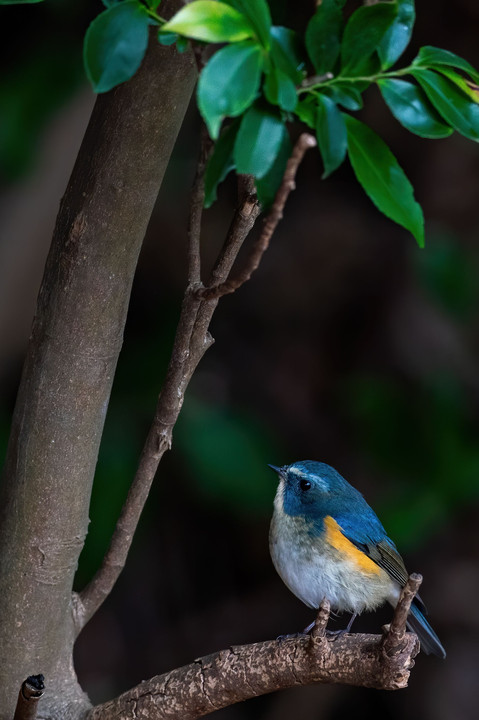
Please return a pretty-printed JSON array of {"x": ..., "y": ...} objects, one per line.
[{"x": 335, "y": 537}]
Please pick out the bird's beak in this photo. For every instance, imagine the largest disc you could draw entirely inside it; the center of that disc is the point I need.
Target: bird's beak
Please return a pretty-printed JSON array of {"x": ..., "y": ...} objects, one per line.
[{"x": 275, "y": 468}]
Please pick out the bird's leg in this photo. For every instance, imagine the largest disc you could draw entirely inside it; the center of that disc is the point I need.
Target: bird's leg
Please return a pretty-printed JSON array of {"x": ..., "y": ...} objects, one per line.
[
  {"x": 306, "y": 631},
  {"x": 337, "y": 633},
  {"x": 309, "y": 628}
]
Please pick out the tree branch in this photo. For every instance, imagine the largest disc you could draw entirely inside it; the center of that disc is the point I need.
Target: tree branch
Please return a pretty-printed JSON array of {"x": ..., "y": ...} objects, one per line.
[
  {"x": 196, "y": 209},
  {"x": 30, "y": 693},
  {"x": 304, "y": 142},
  {"x": 247, "y": 671},
  {"x": 191, "y": 342},
  {"x": 394, "y": 637}
]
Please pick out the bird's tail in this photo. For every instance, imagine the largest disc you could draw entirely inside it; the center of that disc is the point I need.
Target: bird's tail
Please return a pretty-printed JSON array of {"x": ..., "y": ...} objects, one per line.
[{"x": 430, "y": 642}]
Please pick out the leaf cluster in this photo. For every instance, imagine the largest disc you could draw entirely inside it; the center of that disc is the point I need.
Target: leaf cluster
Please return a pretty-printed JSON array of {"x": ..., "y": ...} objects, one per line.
[{"x": 264, "y": 76}]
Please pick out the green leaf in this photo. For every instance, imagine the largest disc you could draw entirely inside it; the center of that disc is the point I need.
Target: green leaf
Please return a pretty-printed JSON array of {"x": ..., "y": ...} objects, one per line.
[
  {"x": 323, "y": 39},
  {"x": 257, "y": 12},
  {"x": 286, "y": 53},
  {"x": 467, "y": 86},
  {"x": 167, "y": 38},
  {"x": 345, "y": 94},
  {"x": 363, "y": 34},
  {"x": 331, "y": 134},
  {"x": 210, "y": 21},
  {"x": 229, "y": 83},
  {"x": 306, "y": 111},
  {"x": 258, "y": 142},
  {"x": 450, "y": 102},
  {"x": 181, "y": 44},
  {"x": 220, "y": 163},
  {"x": 412, "y": 109},
  {"x": 429, "y": 56},
  {"x": 115, "y": 44},
  {"x": 378, "y": 171},
  {"x": 397, "y": 37},
  {"x": 280, "y": 90},
  {"x": 19, "y": 2},
  {"x": 268, "y": 185}
]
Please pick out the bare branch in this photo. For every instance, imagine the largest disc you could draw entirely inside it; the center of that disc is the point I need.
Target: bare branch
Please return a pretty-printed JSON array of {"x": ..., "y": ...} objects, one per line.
[
  {"x": 239, "y": 673},
  {"x": 191, "y": 342},
  {"x": 196, "y": 210},
  {"x": 395, "y": 634},
  {"x": 304, "y": 142},
  {"x": 30, "y": 693},
  {"x": 157, "y": 442}
]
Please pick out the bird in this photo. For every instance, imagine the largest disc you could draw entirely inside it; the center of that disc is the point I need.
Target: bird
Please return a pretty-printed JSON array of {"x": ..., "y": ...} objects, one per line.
[{"x": 327, "y": 542}]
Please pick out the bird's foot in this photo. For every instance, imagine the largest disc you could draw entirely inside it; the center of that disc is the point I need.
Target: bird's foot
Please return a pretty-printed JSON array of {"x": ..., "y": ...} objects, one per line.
[
  {"x": 334, "y": 634},
  {"x": 291, "y": 636}
]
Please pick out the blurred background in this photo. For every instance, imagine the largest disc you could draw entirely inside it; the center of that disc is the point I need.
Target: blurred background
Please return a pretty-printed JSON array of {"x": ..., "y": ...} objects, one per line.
[{"x": 349, "y": 345}]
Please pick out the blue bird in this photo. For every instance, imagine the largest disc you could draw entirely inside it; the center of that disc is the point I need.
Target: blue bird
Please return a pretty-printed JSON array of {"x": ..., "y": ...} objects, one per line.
[{"x": 325, "y": 541}]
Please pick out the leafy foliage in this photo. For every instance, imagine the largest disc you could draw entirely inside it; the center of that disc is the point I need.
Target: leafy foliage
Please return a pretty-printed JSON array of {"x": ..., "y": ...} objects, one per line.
[{"x": 267, "y": 76}]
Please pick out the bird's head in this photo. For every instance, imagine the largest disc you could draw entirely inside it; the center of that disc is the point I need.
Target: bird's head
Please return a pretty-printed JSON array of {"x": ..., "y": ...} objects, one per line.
[{"x": 312, "y": 490}]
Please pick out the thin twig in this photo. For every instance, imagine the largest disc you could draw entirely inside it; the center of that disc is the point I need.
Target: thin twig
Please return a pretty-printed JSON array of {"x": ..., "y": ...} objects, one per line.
[
  {"x": 196, "y": 209},
  {"x": 244, "y": 218},
  {"x": 394, "y": 637},
  {"x": 304, "y": 142},
  {"x": 30, "y": 693}
]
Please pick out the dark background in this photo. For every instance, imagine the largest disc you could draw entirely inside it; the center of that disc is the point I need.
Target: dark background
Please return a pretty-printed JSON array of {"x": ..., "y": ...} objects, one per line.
[{"x": 349, "y": 345}]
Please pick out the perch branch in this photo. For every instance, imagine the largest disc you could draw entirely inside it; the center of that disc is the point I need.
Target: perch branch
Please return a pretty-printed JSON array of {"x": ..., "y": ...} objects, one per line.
[
  {"x": 304, "y": 142},
  {"x": 30, "y": 693},
  {"x": 247, "y": 671}
]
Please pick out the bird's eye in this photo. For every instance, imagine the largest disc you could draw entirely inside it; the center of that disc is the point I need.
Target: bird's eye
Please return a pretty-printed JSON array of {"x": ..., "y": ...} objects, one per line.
[{"x": 304, "y": 485}]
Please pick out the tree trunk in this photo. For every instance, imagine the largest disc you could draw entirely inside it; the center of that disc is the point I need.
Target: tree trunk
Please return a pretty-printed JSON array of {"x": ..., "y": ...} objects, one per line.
[{"x": 76, "y": 338}]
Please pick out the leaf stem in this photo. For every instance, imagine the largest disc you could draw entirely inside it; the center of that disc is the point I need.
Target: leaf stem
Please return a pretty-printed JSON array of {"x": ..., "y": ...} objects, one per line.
[
  {"x": 330, "y": 82},
  {"x": 155, "y": 16}
]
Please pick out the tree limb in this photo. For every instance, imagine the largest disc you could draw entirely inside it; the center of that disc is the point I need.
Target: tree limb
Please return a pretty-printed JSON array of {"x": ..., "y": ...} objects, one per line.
[
  {"x": 242, "y": 672},
  {"x": 304, "y": 142},
  {"x": 30, "y": 693},
  {"x": 191, "y": 342},
  {"x": 247, "y": 671},
  {"x": 196, "y": 209}
]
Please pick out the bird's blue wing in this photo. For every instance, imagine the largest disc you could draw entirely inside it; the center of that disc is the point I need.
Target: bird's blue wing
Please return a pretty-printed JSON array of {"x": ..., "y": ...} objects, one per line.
[{"x": 362, "y": 527}]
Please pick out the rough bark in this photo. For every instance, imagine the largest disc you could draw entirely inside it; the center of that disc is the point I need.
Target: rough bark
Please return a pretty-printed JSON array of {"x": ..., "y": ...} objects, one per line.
[
  {"x": 67, "y": 377},
  {"x": 243, "y": 672}
]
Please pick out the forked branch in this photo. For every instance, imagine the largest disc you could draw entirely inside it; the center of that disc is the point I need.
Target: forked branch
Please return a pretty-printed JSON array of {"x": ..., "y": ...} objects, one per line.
[
  {"x": 191, "y": 342},
  {"x": 304, "y": 142}
]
